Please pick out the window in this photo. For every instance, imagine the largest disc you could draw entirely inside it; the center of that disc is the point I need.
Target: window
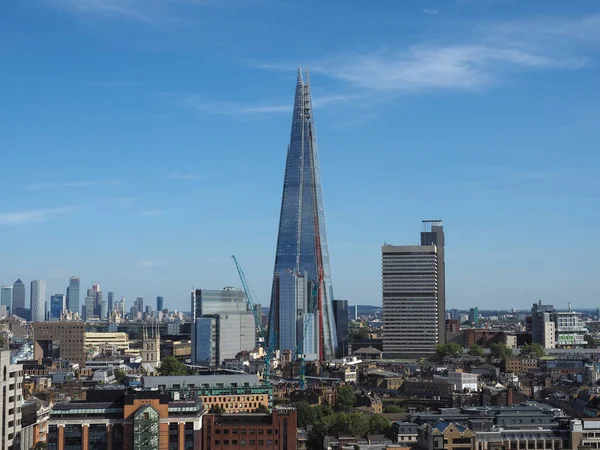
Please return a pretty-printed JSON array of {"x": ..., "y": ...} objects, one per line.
[
  {"x": 226, "y": 442},
  {"x": 217, "y": 442},
  {"x": 234, "y": 442},
  {"x": 269, "y": 442},
  {"x": 173, "y": 436},
  {"x": 261, "y": 442},
  {"x": 242, "y": 442}
]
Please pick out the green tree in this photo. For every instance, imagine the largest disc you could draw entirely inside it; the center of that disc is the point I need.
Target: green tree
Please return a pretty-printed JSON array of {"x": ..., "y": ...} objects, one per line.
[
  {"x": 119, "y": 375},
  {"x": 358, "y": 334},
  {"x": 451, "y": 349},
  {"x": 262, "y": 409},
  {"x": 216, "y": 409},
  {"x": 308, "y": 414},
  {"x": 171, "y": 366},
  {"x": 378, "y": 424},
  {"x": 39, "y": 446},
  {"x": 476, "y": 350},
  {"x": 591, "y": 342},
  {"x": 500, "y": 351},
  {"x": 532, "y": 350},
  {"x": 345, "y": 399}
]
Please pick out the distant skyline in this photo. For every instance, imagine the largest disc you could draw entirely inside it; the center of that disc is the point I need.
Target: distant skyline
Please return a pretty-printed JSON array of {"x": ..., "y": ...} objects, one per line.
[{"x": 144, "y": 142}]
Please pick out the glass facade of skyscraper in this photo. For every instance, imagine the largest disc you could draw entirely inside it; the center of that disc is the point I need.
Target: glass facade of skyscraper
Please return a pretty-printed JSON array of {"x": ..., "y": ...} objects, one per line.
[{"x": 302, "y": 259}]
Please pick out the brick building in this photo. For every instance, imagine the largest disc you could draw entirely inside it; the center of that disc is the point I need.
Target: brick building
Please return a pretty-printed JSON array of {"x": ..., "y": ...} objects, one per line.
[
  {"x": 276, "y": 431},
  {"x": 70, "y": 337},
  {"x": 114, "y": 419}
]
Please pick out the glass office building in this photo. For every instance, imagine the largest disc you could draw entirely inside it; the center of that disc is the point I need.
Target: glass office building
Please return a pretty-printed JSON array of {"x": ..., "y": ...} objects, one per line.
[{"x": 301, "y": 279}]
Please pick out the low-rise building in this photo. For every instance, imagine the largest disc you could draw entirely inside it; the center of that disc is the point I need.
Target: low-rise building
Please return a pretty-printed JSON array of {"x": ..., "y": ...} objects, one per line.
[
  {"x": 461, "y": 381},
  {"x": 426, "y": 388},
  {"x": 446, "y": 436},
  {"x": 99, "y": 341},
  {"x": 113, "y": 419},
  {"x": 34, "y": 424},
  {"x": 520, "y": 364},
  {"x": 275, "y": 431},
  {"x": 404, "y": 432},
  {"x": 233, "y": 393},
  {"x": 585, "y": 433}
]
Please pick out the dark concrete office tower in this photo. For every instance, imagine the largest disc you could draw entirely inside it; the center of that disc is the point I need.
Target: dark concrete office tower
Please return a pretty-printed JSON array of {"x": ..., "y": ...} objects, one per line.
[
  {"x": 160, "y": 304},
  {"x": 73, "y": 295},
  {"x": 433, "y": 234},
  {"x": 18, "y": 296},
  {"x": 301, "y": 310},
  {"x": 340, "y": 313},
  {"x": 110, "y": 303}
]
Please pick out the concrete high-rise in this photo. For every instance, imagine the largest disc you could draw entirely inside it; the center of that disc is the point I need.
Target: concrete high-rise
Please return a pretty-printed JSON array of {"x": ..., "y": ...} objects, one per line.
[
  {"x": 38, "y": 300},
  {"x": 302, "y": 292},
  {"x": 11, "y": 401},
  {"x": 73, "y": 297},
  {"x": 6, "y": 297},
  {"x": 411, "y": 307},
  {"x": 222, "y": 325},
  {"x": 433, "y": 234},
  {"x": 160, "y": 304}
]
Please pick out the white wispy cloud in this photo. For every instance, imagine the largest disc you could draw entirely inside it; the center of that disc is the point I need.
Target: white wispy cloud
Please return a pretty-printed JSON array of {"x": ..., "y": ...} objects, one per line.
[
  {"x": 422, "y": 67},
  {"x": 229, "y": 109},
  {"x": 146, "y": 263},
  {"x": 70, "y": 184},
  {"x": 430, "y": 11},
  {"x": 32, "y": 216},
  {"x": 155, "y": 13},
  {"x": 491, "y": 54},
  {"x": 186, "y": 176},
  {"x": 248, "y": 110},
  {"x": 152, "y": 212}
]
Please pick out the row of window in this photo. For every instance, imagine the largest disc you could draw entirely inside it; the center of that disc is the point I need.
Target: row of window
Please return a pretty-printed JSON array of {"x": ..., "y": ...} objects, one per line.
[
  {"x": 219, "y": 399},
  {"x": 244, "y": 442},
  {"x": 243, "y": 431}
]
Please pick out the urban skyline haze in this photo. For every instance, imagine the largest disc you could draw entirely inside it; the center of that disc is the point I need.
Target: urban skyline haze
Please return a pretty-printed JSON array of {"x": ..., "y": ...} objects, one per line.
[{"x": 143, "y": 143}]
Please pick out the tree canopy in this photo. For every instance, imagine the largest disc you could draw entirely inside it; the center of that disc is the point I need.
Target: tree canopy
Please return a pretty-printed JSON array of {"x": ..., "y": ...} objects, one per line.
[
  {"x": 500, "y": 351},
  {"x": 591, "y": 342},
  {"x": 532, "y": 350},
  {"x": 476, "y": 350},
  {"x": 358, "y": 334},
  {"x": 345, "y": 399},
  {"x": 340, "y": 423},
  {"x": 450, "y": 349},
  {"x": 171, "y": 366}
]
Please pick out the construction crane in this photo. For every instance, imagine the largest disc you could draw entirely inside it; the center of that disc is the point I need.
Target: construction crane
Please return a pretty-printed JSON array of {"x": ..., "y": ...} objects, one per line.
[
  {"x": 249, "y": 297},
  {"x": 257, "y": 320},
  {"x": 268, "y": 355}
]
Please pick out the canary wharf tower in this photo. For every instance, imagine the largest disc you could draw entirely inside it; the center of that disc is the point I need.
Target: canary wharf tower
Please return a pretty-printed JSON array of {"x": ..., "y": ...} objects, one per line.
[{"x": 301, "y": 314}]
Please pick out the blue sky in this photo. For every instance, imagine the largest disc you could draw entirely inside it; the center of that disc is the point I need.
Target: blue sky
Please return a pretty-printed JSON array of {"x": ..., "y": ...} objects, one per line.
[{"x": 142, "y": 142}]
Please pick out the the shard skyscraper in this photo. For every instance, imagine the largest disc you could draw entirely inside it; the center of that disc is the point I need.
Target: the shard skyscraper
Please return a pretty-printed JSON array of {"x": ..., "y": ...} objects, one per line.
[{"x": 301, "y": 314}]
